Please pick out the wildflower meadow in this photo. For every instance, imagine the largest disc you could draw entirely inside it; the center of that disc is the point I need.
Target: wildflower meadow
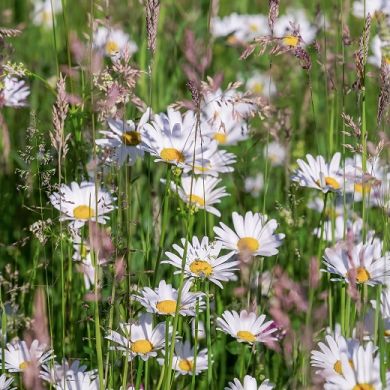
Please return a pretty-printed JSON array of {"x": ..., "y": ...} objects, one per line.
[{"x": 195, "y": 194}]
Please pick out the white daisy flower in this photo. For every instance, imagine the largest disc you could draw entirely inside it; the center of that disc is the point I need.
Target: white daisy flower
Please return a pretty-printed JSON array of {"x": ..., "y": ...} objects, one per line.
[
  {"x": 201, "y": 192},
  {"x": 370, "y": 7},
  {"x": 45, "y": 11},
  {"x": 171, "y": 138},
  {"x": 362, "y": 263},
  {"x": 201, "y": 329},
  {"x": 298, "y": 17},
  {"x": 254, "y": 184},
  {"x": 57, "y": 372},
  {"x": 337, "y": 231},
  {"x": 360, "y": 372},
  {"x": 184, "y": 360},
  {"x": 318, "y": 174},
  {"x": 18, "y": 355},
  {"x": 82, "y": 255},
  {"x": 249, "y": 383},
  {"x": 253, "y": 233},
  {"x": 77, "y": 203},
  {"x": 113, "y": 42},
  {"x": 246, "y": 327},
  {"x": 212, "y": 161},
  {"x": 13, "y": 92},
  {"x": 276, "y": 153},
  {"x": 377, "y": 53},
  {"x": 163, "y": 300},
  {"x": 5, "y": 384},
  {"x": 261, "y": 84},
  {"x": 139, "y": 339},
  {"x": 328, "y": 357},
  {"x": 123, "y": 139},
  {"x": 203, "y": 260}
]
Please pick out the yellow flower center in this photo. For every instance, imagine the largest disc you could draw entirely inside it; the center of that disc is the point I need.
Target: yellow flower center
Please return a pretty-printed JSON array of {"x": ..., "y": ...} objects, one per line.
[
  {"x": 186, "y": 365},
  {"x": 291, "y": 40},
  {"x": 359, "y": 187},
  {"x": 197, "y": 199},
  {"x": 166, "y": 307},
  {"x": 258, "y": 88},
  {"x": 253, "y": 27},
  {"x": 220, "y": 137},
  {"x": 112, "y": 47},
  {"x": 202, "y": 169},
  {"x": 201, "y": 268},
  {"x": 338, "y": 367},
  {"x": 46, "y": 16},
  {"x": 232, "y": 40},
  {"x": 131, "y": 138},
  {"x": 331, "y": 182},
  {"x": 141, "y": 346},
  {"x": 362, "y": 275},
  {"x": 248, "y": 244},
  {"x": 387, "y": 332},
  {"x": 363, "y": 386},
  {"x": 24, "y": 365},
  {"x": 171, "y": 154},
  {"x": 246, "y": 336},
  {"x": 83, "y": 251},
  {"x": 387, "y": 59},
  {"x": 83, "y": 212}
]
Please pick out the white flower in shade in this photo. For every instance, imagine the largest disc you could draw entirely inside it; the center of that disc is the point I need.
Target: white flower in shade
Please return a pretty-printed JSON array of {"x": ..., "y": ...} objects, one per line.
[
  {"x": 224, "y": 115},
  {"x": 57, "y": 372},
  {"x": 254, "y": 184},
  {"x": 377, "y": 53},
  {"x": 336, "y": 231},
  {"x": 249, "y": 383},
  {"x": 18, "y": 355},
  {"x": 201, "y": 329},
  {"x": 139, "y": 339},
  {"x": 359, "y": 180},
  {"x": 370, "y": 7},
  {"x": 316, "y": 173},
  {"x": 113, "y": 42},
  {"x": 276, "y": 153},
  {"x": 360, "y": 372},
  {"x": 13, "y": 92},
  {"x": 81, "y": 203},
  {"x": 362, "y": 263},
  {"x": 283, "y": 28},
  {"x": 163, "y": 300},
  {"x": 261, "y": 84},
  {"x": 203, "y": 260},
  {"x": 328, "y": 357},
  {"x": 171, "y": 138},
  {"x": 253, "y": 233},
  {"x": 5, "y": 384},
  {"x": 123, "y": 140},
  {"x": 45, "y": 11},
  {"x": 211, "y": 161},
  {"x": 247, "y": 327},
  {"x": 201, "y": 192},
  {"x": 183, "y": 361}
]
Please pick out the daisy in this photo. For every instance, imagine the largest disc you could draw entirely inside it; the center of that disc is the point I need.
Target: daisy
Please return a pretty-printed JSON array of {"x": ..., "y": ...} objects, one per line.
[
  {"x": 123, "y": 140},
  {"x": 337, "y": 231},
  {"x": 139, "y": 339},
  {"x": 211, "y": 161},
  {"x": 254, "y": 184},
  {"x": 253, "y": 234},
  {"x": 360, "y": 372},
  {"x": 203, "y": 260},
  {"x": 45, "y": 11},
  {"x": 163, "y": 300},
  {"x": 77, "y": 203},
  {"x": 371, "y": 7},
  {"x": 276, "y": 153},
  {"x": 201, "y": 192},
  {"x": 318, "y": 174},
  {"x": 13, "y": 92},
  {"x": 378, "y": 54},
  {"x": 6, "y": 383},
  {"x": 246, "y": 327},
  {"x": 171, "y": 138},
  {"x": 328, "y": 357},
  {"x": 249, "y": 383},
  {"x": 362, "y": 263},
  {"x": 297, "y": 17},
  {"x": 113, "y": 42},
  {"x": 18, "y": 355},
  {"x": 261, "y": 84},
  {"x": 57, "y": 372},
  {"x": 183, "y": 359}
]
